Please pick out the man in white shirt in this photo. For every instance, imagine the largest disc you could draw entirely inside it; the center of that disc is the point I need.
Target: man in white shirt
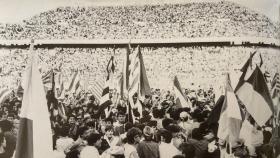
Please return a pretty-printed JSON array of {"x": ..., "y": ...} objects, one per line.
[{"x": 166, "y": 148}]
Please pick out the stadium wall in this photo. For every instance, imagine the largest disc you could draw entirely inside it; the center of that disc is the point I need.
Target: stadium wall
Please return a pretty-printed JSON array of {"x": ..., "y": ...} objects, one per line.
[{"x": 222, "y": 41}]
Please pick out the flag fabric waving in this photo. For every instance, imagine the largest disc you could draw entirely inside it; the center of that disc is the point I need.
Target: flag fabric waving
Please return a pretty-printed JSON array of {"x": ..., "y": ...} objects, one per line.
[
  {"x": 246, "y": 72},
  {"x": 255, "y": 96},
  {"x": 105, "y": 100},
  {"x": 74, "y": 83},
  {"x": 181, "y": 100},
  {"x": 138, "y": 79},
  {"x": 35, "y": 135},
  {"x": 230, "y": 118}
]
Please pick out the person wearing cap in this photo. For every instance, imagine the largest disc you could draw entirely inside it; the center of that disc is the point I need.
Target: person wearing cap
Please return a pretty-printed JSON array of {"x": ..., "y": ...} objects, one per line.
[{"x": 148, "y": 148}]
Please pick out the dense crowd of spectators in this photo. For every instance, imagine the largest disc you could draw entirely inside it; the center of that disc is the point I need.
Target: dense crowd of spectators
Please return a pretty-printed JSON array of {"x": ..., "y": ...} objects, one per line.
[
  {"x": 204, "y": 19},
  {"x": 83, "y": 130},
  {"x": 194, "y": 66}
]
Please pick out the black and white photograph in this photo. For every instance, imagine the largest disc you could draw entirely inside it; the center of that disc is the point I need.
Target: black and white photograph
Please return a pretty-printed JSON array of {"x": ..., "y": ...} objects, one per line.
[{"x": 139, "y": 79}]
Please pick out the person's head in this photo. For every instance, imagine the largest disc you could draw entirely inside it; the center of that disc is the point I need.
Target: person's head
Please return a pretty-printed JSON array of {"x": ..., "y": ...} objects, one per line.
[
  {"x": 148, "y": 133},
  {"x": 165, "y": 135},
  {"x": 64, "y": 131},
  {"x": 6, "y": 125},
  {"x": 184, "y": 116},
  {"x": 85, "y": 108},
  {"x": 72, "y": 119},
  {"x": 197, "y": 134},
  {"x": 188, "y": 150},
  {"x": 94, "y": 139},
  {"x": 121, "y": 117},
  {"x": 178, "y": 139},
  {"x": 127, "y": 126},
  {"x": 108, "y": 121},
  {"x": 133, "y": 135},
  {"x": 109, "y": 131},
  {"x": 2, "y": 140},
  {"x": 10, "y": 117},
  {"x": 84, "y": 132},
  {"x": 166, "y": 122},
  {"x": 174, "y": 128},
  {"x": 178, "y": 156}
]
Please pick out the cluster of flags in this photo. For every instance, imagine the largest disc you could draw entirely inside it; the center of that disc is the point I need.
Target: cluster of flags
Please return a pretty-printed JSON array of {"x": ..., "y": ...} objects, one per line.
[
  {"x": 250, "y": 97},
  {"x": 133, "y": 85}
]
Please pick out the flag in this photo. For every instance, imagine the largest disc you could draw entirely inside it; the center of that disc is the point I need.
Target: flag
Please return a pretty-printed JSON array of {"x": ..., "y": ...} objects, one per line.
[
  {"x": 59, "y": 86},
  {"x": 125, "y": 73},
  {"x": 105, "y": 100},
  {"x": 255, "y": 95},
  {"x": 181, "y": 100},
  {"x": 230, "y": 117},
  {"x": 246, "y": 72},
  {"x": 275, "y": 86},
  {"x": 138, "y": 80},
  {"x": 47, "y": 80},
  {"x": 275, "y": 94},
  {"x": 74, "y": 83},
  {"x": 97, "y": 89},
  {"x": 35, "y": 135},
  {"x": 214, "y": 116}
]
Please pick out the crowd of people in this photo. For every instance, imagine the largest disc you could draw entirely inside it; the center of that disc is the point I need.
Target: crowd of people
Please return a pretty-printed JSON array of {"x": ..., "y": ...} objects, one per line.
[
  {"x": 190, "y": 20},
  {"x": 194, "y": 66},
  {"x": 82, "y": 129},
  {"x": 161, "y": 128}
]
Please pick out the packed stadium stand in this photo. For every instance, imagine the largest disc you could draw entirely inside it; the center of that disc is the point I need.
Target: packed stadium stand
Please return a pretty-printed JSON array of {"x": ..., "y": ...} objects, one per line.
[
  {"x": 205, "y": 19},
  {"x": 199, "y": 42}
]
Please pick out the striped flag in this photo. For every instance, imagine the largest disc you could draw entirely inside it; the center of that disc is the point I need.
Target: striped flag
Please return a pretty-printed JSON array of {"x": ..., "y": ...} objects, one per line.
[
  {"x": 275, "y": 94},
  {"x": 181, "y": 100},
  {"x": 125, "y": 73},
  {"x": 230, "y": 117},
  {"x": 246, "y": 72},
  {"x": 138, "y": 79},
  {"x": 275, "y": 86},
  {"x": 47, "y": 79},
  {"x": 105, "y": 100},
  {"x": 35, "y": 135},
  {"x": 255, "y": 96},
  {"x": 74, "y": 83},
  {"x": 96, "y": 89}
]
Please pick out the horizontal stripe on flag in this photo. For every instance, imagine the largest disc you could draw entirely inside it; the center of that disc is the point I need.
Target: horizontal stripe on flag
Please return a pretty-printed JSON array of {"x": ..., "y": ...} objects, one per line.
[{"x": 255, "y": 103}]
